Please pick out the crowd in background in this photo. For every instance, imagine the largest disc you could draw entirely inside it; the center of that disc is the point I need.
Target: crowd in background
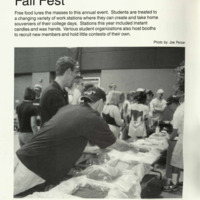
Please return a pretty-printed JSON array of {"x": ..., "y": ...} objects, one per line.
[{"x": 129, "y": 115}]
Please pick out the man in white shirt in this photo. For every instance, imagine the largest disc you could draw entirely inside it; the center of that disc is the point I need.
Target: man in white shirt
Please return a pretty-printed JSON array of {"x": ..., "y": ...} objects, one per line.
[
  {"x": 76, "y": 91},
  {"x": 177, "y": 155},
  {"x": 157, "y": 106}
]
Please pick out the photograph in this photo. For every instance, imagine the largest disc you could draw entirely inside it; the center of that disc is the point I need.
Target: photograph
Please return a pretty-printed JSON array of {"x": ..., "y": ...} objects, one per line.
[{"x": 98, "y": 122}]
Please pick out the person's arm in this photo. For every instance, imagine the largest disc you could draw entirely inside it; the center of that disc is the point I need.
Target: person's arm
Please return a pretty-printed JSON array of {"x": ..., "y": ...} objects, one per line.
[
  {"x": 34, "y": 125},
  {"x": 146, "y": 113},
  {"x": 121, "y": 145},
  {"x": 162, "y": 108},
  {"x": 164, "y": 105},
  {"x": 176, "y": 124},
  {"x": 128, "y": 115},
  {"x": 174, "y": 134},
  {"x": 100, "y": 134},
  {"x": 117, "y": 116},
  {"x": 152, "y": 106},
  {"x": 76, "y": 96},
  {"x": 97, "y": 131},
  {"x": 125, "y": 112}
]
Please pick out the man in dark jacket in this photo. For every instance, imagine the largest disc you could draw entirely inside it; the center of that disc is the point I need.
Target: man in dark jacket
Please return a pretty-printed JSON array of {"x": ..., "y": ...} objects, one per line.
[{"x": 54, "y": 96}]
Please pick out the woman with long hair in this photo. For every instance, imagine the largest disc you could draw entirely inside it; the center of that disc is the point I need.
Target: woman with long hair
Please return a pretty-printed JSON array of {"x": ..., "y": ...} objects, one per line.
[
  {"x": 111, "y": 112},
  {"x": 138, "y": 113}
]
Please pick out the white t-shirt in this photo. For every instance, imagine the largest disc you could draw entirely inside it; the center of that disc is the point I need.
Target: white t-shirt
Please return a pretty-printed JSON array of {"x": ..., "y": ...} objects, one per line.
[
  {"x": 178, "y": 123},
  {"x": 178, "y": 118},
  {"x": 137, "y": 112},
  {"x": 157, "y": 106},
  {"x": 74, "y": 98}
]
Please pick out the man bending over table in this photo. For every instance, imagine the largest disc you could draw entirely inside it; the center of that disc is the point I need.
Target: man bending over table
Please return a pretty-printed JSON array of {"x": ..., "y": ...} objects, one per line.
[{"x": 61, "y": 141}]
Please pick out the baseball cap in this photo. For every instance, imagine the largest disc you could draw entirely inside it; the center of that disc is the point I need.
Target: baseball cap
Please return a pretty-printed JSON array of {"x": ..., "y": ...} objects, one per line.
[
  {"x": 160, "y": 91},
  {"x": 37, "y": 87},
  {"x": 94, "y": 94},
  {"x": 140, "y": 90}
]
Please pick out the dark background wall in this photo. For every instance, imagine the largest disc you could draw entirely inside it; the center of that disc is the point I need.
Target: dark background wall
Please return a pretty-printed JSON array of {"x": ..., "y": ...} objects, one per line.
[
  {"x": 131, "y": 58},
  {"x": 28, "y": 60},
  {"x": 131, "y": 79}
]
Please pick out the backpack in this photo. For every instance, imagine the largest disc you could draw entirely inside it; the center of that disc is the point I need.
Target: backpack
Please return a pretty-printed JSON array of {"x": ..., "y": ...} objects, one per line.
[{"x": 151, "y": 187}]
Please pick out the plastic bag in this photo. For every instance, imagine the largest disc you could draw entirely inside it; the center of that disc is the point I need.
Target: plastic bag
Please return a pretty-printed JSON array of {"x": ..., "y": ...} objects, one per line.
[
  {"x": 126, "y": 186},
  {"x": 25, "y": 179},
  {"x": 91, "y": 191},
  {"x": 122, "y": 165},
  {"x": 104, "y": 172}
]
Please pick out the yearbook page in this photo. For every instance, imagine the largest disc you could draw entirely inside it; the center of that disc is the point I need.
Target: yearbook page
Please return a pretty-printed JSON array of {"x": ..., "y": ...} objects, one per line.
[{"x": 135, "y": 63}]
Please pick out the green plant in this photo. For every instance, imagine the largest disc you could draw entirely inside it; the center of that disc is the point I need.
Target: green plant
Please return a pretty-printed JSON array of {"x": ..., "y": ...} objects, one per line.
[{"x": 180, "y": 78}]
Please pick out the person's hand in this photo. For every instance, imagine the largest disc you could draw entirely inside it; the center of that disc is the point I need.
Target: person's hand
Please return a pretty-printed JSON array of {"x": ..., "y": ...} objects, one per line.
[
  {"x": 133, "y": 148},
  {"x": 92, "y": 150}
]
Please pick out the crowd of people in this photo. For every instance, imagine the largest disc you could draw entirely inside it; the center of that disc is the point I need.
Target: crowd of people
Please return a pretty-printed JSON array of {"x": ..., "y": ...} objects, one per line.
[{"x": 57, "y": 122}]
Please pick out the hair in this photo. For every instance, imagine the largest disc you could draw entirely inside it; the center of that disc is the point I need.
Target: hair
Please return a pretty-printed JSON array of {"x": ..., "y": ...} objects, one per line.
[
  {"x": 88, "y": 86},
  {"x": 128, "y": 96},
  {"x": 172, "y": 99},
  {"x": 78, "y": 79},
  {"x": 115, "y": 98},
  {"x": 63, "y": 64},
  {"x": 112, "y": 86},
  {"x": 140, "y": 97},
  {"x": 150, "y": 93},
  {"x": 29, "y": 94}
]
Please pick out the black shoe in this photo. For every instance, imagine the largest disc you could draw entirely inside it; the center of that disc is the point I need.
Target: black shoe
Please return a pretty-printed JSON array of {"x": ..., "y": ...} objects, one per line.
[{"x": 170, "y": 188}]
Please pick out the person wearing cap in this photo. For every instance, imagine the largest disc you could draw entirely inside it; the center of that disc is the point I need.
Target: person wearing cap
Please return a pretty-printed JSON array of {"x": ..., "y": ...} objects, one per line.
[
  {"x": 55, "y": 96},
  {"x": 140, "y": 90},
  {"x": 157, "y": 106},
  {"x": 62, "y": 140}
]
